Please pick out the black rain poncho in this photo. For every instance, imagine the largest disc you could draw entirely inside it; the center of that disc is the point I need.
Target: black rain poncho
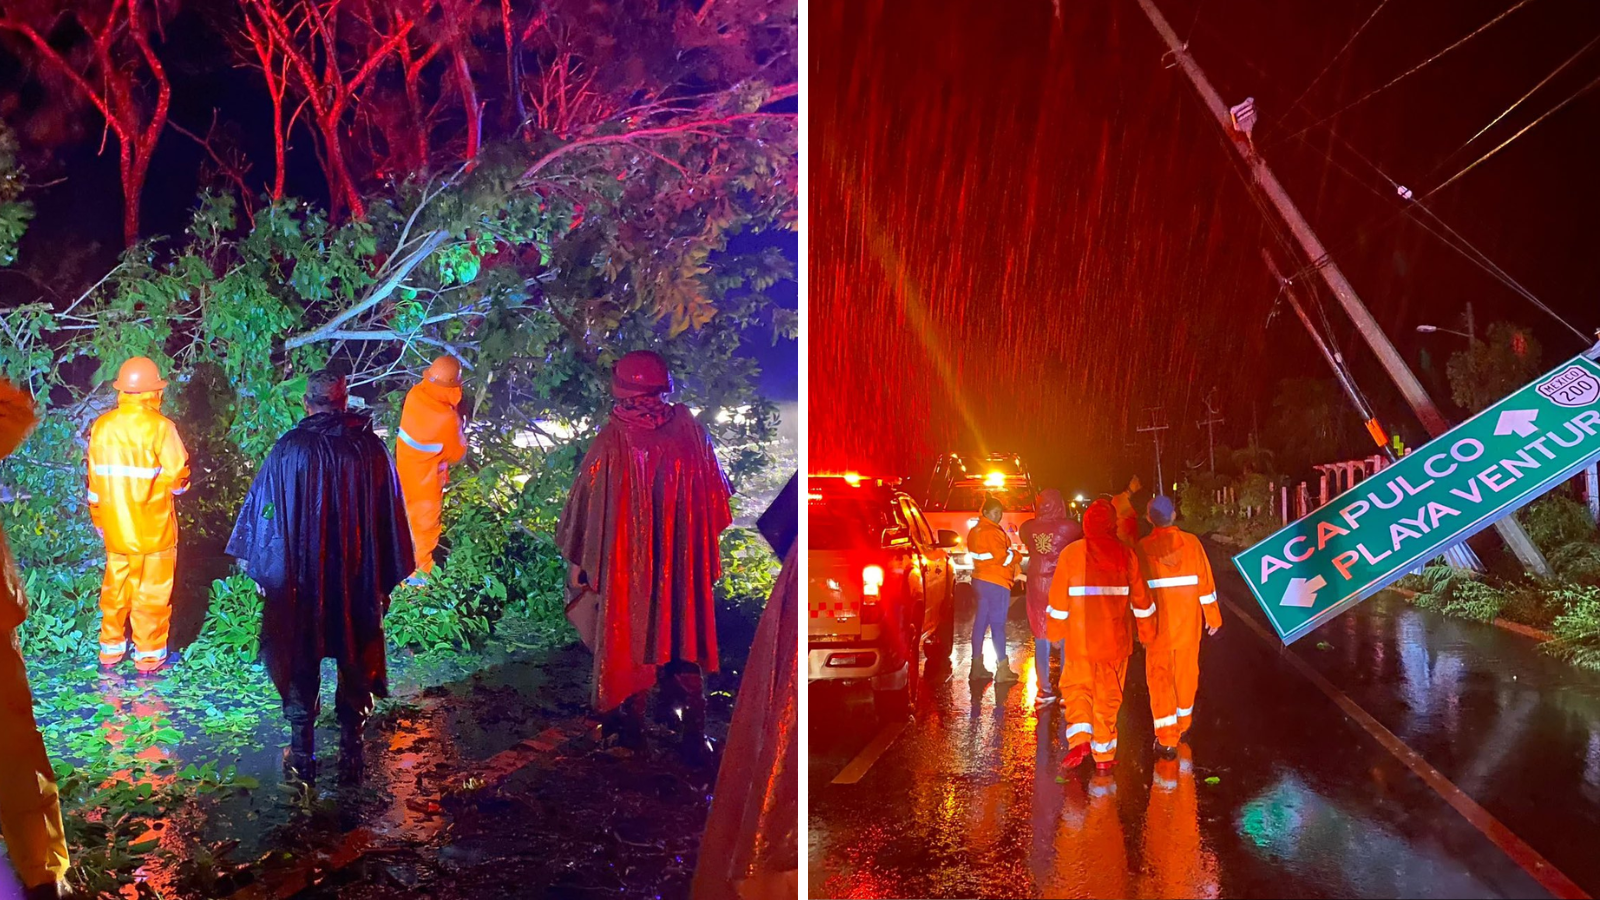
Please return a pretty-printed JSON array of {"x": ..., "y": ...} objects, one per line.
[{"x": 323, "y": 532}]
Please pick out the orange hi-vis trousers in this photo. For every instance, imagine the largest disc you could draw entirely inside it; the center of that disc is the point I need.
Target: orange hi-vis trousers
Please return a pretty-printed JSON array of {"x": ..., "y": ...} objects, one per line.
[
  {"x": 1091, "y": 696},
  {"x": 1174, "y": 677},
  {"x": 30, "y": 809},
  {"x": 137, "y": 588}
]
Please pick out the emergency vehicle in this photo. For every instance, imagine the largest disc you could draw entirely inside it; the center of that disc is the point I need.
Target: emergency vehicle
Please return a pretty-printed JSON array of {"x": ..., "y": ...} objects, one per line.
[
  {"x": 955, "y": 493},
  {"x": 879, "y": 588}
]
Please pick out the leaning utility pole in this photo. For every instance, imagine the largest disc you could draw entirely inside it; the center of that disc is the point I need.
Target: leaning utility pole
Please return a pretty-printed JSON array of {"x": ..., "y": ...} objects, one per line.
[
  {"x": 1155, "y": 428},
  {"x": 1238, "y": 133},
  {"x": 1335, "y": 360},
  {"x": 1210, "y": 423}
]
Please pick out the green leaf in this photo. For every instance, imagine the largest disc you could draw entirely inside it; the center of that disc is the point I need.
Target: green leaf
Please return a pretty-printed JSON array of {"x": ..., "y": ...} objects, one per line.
[{"x": 1213, "y": 780}]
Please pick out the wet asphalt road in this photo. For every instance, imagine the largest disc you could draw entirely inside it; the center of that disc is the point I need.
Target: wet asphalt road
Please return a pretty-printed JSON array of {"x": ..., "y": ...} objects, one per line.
[{"x": 1279, "y": 793}]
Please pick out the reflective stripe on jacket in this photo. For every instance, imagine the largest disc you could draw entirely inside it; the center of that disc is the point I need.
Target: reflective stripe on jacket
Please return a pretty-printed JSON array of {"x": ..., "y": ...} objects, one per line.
[
  {"x": 137, "y": 464},
  {"x": 1178, "y": 574},
  {"x": 993, "y": 558},
  {"x": 430, "y": 430},
  {"x": 1101, "y": 589}
]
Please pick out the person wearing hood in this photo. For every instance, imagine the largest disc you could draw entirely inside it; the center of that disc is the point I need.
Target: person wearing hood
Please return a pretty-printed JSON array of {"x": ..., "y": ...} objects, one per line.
[
  {"x": 1127, "y": 515},
  {"x": 994, "y": 570},
  {"x": 323, "y": 533},
  {"x": 1043, "y": 538},
  {"x": 1097, "y": 600},
  {"x": 751, "y": 846},
  {"x": 1178, "y": 575},
  {"x": 137, "y": 465},
  {"x": 30, "y": 804},
  {"x": 429, "y": 443},
  {"x": 641, "y": 535}
]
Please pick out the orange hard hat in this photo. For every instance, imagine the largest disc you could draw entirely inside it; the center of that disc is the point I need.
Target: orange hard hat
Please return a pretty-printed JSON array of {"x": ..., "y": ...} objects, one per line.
[
  {"x": 139, "y": 376},
  {"x": 445, "y": 372}
]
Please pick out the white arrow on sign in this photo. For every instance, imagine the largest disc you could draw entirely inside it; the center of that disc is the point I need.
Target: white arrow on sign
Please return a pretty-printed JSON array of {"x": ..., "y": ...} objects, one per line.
[
  {"x": 1302, "y": 592},
  {"x": 1517, "y": 420}
]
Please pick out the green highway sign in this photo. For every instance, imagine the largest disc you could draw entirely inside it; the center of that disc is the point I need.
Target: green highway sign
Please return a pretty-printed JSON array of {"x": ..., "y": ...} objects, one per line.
[{"x": 1434, "y": 497}]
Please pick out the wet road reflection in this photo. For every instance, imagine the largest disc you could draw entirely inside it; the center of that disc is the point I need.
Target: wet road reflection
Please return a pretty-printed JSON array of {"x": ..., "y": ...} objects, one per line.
[{"x": 1277, "y": 793}]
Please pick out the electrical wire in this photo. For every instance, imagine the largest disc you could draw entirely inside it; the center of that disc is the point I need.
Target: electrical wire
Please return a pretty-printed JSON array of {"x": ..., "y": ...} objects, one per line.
[
  {"x": 1454, "y": 240},
  {"x": 1508, "y": 110},
  {"x": 1407, "y": 73},
  {"x": 1336, "y": 57},
  {"x": 1520, "y": 132}
]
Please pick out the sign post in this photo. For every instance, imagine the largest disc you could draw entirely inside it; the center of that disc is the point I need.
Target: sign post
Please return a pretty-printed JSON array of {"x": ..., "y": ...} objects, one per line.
[{"x": 1437, "y": 495}]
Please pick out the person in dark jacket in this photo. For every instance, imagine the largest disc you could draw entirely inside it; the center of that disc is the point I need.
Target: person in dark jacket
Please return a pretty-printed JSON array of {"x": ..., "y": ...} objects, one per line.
[{"x": 323, "y": 533}]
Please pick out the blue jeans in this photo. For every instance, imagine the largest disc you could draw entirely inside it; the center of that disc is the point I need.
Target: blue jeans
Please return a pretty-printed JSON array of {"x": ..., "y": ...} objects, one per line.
[
  {"x": 1049, "y": 658},
  {"x": 994, "y": 601}
]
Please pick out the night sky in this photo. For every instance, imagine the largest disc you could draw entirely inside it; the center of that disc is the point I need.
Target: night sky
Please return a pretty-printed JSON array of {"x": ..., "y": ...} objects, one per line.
[{"x": 1025, "y": 229}]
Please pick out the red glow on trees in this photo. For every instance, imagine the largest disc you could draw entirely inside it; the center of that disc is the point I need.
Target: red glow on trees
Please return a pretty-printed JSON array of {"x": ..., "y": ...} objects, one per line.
[{"x": 109, "y": 68}]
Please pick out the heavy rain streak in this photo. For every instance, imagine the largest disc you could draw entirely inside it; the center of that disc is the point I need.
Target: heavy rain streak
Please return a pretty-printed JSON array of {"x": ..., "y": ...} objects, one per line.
[{"x": 1026, "y": 231}]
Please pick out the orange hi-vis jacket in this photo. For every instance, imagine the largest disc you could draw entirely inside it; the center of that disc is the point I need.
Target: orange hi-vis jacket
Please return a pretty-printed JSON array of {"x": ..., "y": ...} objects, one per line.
[
  {"x": 1098, "y": 596},
  {"x": 430, "y": 430},
  {"x": 137, "y": 465},
  {"x": 993, "y": 558},
  {"x": 1178, "y": 575}
]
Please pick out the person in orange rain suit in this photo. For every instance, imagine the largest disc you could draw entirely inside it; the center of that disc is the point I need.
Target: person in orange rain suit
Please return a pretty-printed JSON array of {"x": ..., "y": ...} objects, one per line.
[
  {"x": 994, "y": 569},
  {"x": 30, "y": 808},
  {"x": 1178, "y": 575},
  {"x": 430, "y": 442},
  {"x": 1127, "y": 516},
  {"x": 1096, "y": 597},
  {"x": 137, "y": 465},
  {"x": 1177, "y": 863}
]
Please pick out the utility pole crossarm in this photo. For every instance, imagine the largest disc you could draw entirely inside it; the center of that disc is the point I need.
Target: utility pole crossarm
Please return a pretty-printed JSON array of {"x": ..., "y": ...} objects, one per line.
[{"x": 1432, "y": 420}]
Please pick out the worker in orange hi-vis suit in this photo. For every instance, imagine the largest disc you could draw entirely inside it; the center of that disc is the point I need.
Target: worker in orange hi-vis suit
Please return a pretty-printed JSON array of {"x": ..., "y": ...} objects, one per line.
[
  {"x": 1097, "y": 599},
  {"x": 430, "y": 442},
  {"x": 1178, "y": 575},
  {"x": 137, "y": 465},
  {"x": 30, "y": 806}
]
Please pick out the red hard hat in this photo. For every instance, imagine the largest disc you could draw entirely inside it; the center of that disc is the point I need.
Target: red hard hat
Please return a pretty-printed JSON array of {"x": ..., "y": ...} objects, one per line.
[
  {"x": 138, "y": 376},
  {"x": 445, "y": 371},
  {"x": 639, "y": 373}
]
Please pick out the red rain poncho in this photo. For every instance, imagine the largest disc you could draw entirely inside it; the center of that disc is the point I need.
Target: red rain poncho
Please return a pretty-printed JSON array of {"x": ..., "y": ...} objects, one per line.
[
  {"x": 642, "y": 523},
  {"x": 1043, "y": 538}
]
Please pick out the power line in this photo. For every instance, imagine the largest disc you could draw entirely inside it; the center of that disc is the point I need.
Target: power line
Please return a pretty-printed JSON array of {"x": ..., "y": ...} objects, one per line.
[
  {"x": 1518, "y": 102},
  {"x": 1465, "y": 247},
  {"x": 1409, "y": 72},
  {"x": 1503, "y": 144},
  {"x": 1360, "y": 28}
]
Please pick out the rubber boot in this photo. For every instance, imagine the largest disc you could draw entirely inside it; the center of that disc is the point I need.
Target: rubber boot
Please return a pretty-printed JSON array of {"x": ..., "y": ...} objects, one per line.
[
  {"x": 352, "y": 752},
  {"x": 626, "y": 724},
  {"x": 300, "y": 759},
  {"x": 698, "y": 750}
]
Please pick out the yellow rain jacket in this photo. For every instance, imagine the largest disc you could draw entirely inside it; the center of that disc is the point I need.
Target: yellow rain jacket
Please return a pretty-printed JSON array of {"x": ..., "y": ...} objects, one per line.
[{"x": 137, "y": 465}]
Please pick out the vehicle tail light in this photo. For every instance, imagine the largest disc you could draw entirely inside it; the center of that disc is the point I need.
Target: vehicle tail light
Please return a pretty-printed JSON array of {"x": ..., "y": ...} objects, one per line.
[
  {"x": 871, "y": 590},
  {"x": 871, "y": 581}
]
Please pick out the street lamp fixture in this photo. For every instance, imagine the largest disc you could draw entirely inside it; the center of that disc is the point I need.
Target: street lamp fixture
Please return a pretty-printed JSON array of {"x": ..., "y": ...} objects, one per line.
[{"x": 1430, "y": 329}]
